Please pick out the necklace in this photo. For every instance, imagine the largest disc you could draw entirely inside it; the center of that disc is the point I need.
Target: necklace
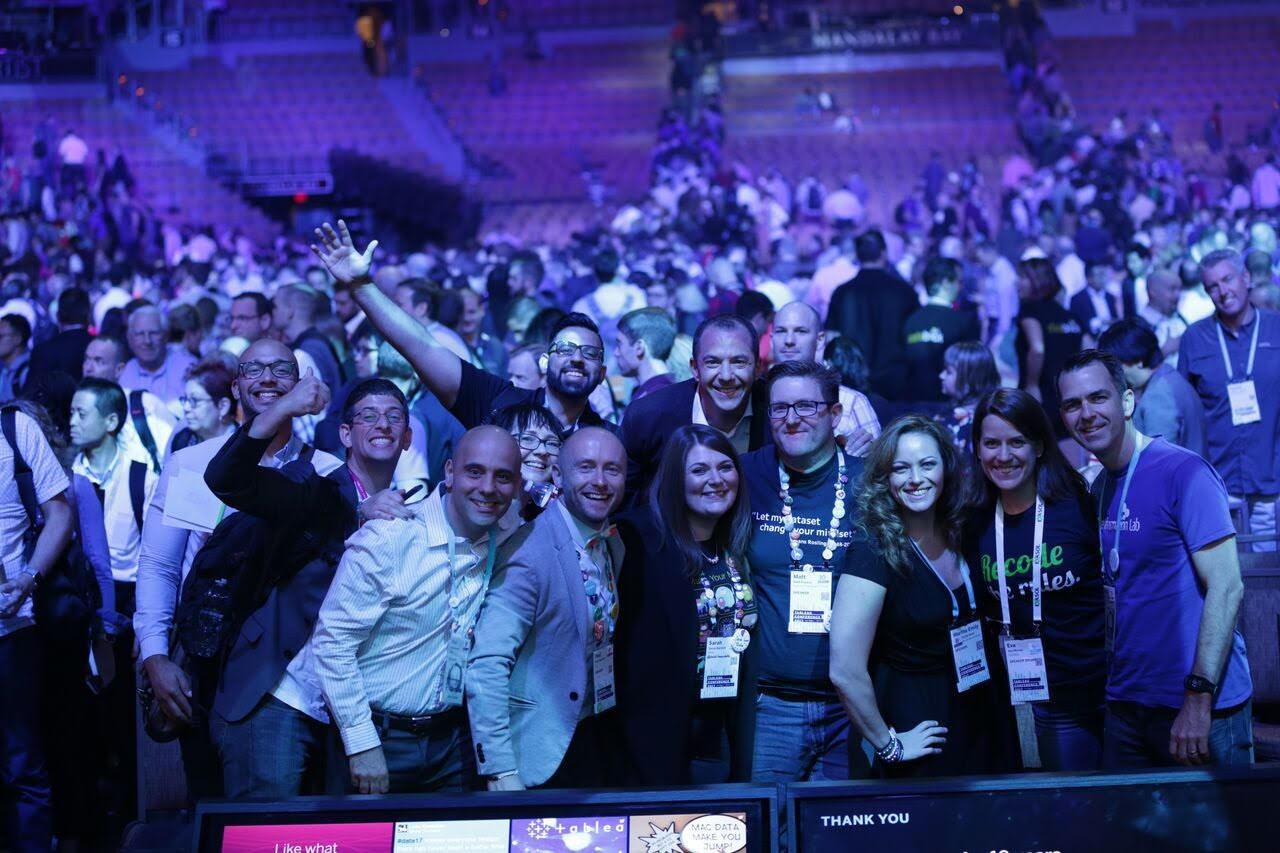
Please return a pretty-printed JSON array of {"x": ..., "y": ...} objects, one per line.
[
  {"x": 837, "y": 513},
  {"x": 741, "y": 637}
]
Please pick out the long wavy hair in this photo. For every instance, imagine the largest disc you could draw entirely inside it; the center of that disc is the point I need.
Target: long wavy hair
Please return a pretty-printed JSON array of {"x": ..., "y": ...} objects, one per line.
[
  {"x": 881, "y": 514},
  {"x": 671, "y": 510}
]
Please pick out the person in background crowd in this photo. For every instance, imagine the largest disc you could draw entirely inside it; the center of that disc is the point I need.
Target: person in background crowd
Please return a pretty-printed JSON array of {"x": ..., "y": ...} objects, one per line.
[
  {"x": 524, "y": 368},
  {"x": 685, "y": 620},
  {"x": 1232, "y": 360},
  {"x": 268, "y": 719},
  {"x": 1178, "y": 689},
  {"x": 1033, "y": 505},
  {"x": 798, "y": 336},
  {"x": 1047, "y": 333},
  {"x": 104, "y": 358},
  {"x": 872, "y": 310},
  {"x": 1164, "y": 291},
  {"x": 435, "y": 431},
  {"x": 968, "y": 373},
  {"x": 65, "y": 350},
  {"x": 645, "y": 337},
  {"x": 1095, "y": 307},
  {"x": 547, "y": 625},
  {"x": 999, "y": 291},
  {"x": 15, "y": 355},
  {"x": 934, "y": 327},
  {"x": 155, "y": 366},
  {"x": 208, "y": 407},
  {"x": 250, "y": 316},
  {"x": 723, "y": 395},
  {"x": 420, "y": 298},
  {"x": 294, "y": 313},
  {"x": 538, "y": 435},
  {"x": 802, "y": 478},
  {"x": 1167, "y": 406},
  {"x": 465, "y": 313},
  {"x": 756, "y": 309},
  {"x": 390, "y": 644}
]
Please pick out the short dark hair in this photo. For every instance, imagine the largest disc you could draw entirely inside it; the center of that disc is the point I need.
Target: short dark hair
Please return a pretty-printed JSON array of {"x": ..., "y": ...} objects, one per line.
[
  {"x": 122, "y": 349},
  {"x": 374, "y": 386},
  {"x": 261, "y": 303},
  {"x": 574, "y": 320},
  {"x": 1043, "y": 279},
  {"x": 108, "y": 397},
  {"x": 939, "y": 270},
  {"x": 869, "y": 246},
  {"x": 20, "y": 325},
  {"x": 605, "y": 265},
  {"x": 73, "y": 307},
  {"x": 848, "y": 359},
  {"x": 1086, "y": 357},
  {"x": 654, "y": 326},
  {"x": 726, "y": 323},
  {"x": 522, "y": 416},
  {"x": 828, "y": 380},
  {"x": 1132, "y": 341},
  {"x": 753, "y": 303}
]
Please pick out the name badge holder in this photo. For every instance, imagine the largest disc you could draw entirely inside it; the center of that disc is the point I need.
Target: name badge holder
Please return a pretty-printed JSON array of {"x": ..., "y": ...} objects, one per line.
[
  {"x": 1024, "y": 658},
  {"x": 968, "y": 650},
  {"x": 461, "y": 629},
  {"x": 720, "y": 669},
  {"x": 1111, "y": 562},
  {"x": 809, "y": 605},
  {"x": 723, "y": 655},
  {"x": 602, "y": 677},
  {"x": 1242, "y": 395}
]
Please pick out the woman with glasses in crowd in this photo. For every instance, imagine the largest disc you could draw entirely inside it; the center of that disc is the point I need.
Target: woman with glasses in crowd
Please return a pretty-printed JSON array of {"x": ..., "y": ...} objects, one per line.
[
  {"x": 906, "y": 652},
  {"x": 968, "y": 371},
  {"x": 208, "y": 409},
  {"x": 687, "y": 613},
  {"x": 1031, "y": 501},
  {"x": 537, "y": 432}
]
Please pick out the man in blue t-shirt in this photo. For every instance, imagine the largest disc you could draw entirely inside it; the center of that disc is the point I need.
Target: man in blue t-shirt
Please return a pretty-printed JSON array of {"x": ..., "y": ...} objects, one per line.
[
  {"x": 802, "y": 731},
  {"x": 1179, "y": 689}
]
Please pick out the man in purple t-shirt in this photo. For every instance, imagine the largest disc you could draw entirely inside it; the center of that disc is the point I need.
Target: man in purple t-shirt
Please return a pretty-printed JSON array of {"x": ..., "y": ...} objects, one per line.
[{"x": 1179, "y": 689}]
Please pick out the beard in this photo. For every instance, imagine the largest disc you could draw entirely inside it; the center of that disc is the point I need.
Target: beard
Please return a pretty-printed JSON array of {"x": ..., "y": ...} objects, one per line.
[{"x": 573, "y": 389}]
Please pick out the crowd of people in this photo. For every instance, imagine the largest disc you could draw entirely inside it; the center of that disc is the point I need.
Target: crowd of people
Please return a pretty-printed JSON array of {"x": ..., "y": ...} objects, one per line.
[{"x": 739, "y": 488}]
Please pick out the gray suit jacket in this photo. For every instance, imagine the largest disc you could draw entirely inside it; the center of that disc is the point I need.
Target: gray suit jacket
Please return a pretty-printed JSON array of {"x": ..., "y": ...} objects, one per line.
[
  {"x": 1171, "y": 408},
  {"x": 527, "y": 676}
]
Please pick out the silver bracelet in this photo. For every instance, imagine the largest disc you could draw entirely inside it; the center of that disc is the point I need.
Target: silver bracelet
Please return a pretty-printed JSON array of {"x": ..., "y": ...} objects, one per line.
[{"x": 891, "y": 752}]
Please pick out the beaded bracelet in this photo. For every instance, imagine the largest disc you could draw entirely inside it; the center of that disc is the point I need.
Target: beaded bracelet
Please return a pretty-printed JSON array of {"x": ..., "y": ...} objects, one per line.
[{"x": 891, "y": 752}]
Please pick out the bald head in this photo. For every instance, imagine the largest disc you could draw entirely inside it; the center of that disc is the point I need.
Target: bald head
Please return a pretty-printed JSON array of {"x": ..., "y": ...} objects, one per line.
[
  {"x": 1164, "y": 289},
  {"x": 483, "y": 478},
  {"x": 487, "y": 442},
  {"x": 591, "y": 473},
  {"x": 797, "y": 333}
]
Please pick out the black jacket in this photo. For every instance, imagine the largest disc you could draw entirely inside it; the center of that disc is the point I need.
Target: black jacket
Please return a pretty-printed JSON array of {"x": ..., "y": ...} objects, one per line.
[
  {"x": 656, "y": 653},
  {"x": 651, "y": 419},
  {"x": 64, "y": 352},
  {"x": 312, "y": 520},
  {"x": 872, "y": 311},
  {"x": 1082, "y": 309}
]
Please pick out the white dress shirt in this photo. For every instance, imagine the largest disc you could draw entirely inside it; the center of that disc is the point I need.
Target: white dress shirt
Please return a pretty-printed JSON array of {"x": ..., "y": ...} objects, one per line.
[{"x": 740, "y": 435}]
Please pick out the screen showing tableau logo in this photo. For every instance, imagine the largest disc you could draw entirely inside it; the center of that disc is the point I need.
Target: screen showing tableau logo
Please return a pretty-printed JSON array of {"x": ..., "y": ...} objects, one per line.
[{"x": 558, "y": 835}]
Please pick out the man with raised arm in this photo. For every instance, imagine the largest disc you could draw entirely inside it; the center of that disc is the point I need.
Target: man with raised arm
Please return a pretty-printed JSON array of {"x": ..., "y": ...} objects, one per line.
[{"x": 574, "y": 359}]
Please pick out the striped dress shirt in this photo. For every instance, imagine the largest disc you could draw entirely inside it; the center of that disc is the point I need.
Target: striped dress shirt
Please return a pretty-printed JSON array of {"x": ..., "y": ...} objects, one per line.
[{"x": 384, "y": 628}]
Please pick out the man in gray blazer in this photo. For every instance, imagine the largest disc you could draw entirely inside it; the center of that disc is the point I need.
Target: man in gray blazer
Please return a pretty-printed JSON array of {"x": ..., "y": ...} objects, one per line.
[
  {"x": 1167, "y": 404},
  {"x": 540, "y": 678}
]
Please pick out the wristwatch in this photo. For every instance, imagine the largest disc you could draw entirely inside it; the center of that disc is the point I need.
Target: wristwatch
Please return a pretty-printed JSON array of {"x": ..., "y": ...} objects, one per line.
[{"x": 1195, "y": 684}]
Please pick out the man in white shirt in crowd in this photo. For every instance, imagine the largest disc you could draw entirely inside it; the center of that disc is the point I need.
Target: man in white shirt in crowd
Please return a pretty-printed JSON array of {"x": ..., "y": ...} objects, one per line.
[
  {"x": 391, "y": 643},
  {"x": 1164, "y": 291},
  {"x": 104, "y": 359},
  {"x": 72, "y": 153},
  {"x": 155, "y": 366}
]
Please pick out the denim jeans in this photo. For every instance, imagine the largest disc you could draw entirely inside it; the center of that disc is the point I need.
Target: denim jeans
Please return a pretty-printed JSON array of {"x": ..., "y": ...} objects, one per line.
[
  {"x": 1069, "y": 738},
  {"x": 26, "y": 811},
  {"x": 800, "y": 741},
  {"x": 1137, "y": 736},
  {"x": 434, "y": 761},
  {"x": 273, "y": 753}
]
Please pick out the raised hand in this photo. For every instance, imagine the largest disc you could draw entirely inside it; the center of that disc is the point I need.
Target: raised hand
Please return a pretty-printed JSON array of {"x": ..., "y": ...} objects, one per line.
[
  {"x": 339, "y": 256},
  {"x": 309, "y": 397}
]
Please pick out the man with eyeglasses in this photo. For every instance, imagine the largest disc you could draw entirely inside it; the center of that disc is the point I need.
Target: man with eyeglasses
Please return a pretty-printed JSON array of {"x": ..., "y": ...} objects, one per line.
[
  {"x": 155, "y": 366},
  {"x": 147, "y": 429},
  {"x": 801, "y": 486},
  {"x": 250, "y": 316},
  {"x": 170, "y": 541},
  {"x": 574, "y": 359},
  {"x": 269, "y": 720}
]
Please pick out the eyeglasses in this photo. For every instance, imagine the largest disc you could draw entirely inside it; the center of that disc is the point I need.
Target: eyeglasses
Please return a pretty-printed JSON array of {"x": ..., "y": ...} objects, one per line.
[
  {"x": 371, "y": 417},
  {"x": 193, "y": 402},
  {"x": 568, "y": 349},
  {"x": 803, "y": 409},
  {"x": 529, "y": 441},
  {"x": 279, "y": 369}
]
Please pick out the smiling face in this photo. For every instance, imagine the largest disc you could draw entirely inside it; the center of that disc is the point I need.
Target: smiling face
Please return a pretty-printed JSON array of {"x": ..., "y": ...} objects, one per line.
[
  {"x": 539, "y": 450},
  {"x": 146, "y": 338},
  {"x": 1228, "y": 287},
  {"x": 382, "y": 440},
  {"x": 1093, "y": 410},
  {"x": 1008, "y": 458},
  {"x": 482, "y": 478},
  {"x": 797, "y": 333},
  {"x": 710, "y": 483},
  {"x": 917, "y": 478},
  {"x": 801, "y": 440},
  {"x": 257, "y": 394},
  {"x": 725, "y": 367},
  {"x": 591, "y": 472},
  {"x": 574, "y": 376}
]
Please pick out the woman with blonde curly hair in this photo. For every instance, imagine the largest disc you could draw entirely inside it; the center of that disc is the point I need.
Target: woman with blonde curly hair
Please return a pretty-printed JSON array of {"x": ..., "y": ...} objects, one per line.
[{"x": 906, "y": 646}]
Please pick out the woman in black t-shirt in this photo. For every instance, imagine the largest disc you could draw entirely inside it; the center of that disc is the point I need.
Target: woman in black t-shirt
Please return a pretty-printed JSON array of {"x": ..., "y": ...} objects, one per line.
[
  {"x": 1047, "y": 335},
  {"x": 683, "y": 586},
  {"x": 897, "y": 602},
  {"x": 1022, "y": 467}
]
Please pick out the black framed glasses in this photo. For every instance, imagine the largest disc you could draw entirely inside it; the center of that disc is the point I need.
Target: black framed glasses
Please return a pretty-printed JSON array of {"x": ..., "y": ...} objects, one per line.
[
  {"x": 568, "y": 349},
  {"x": 803, "y": 409},
  {"x": 279, "y": 369},
  {"x": 370, "y": 417},
  {"x": 529, "y": 441},
  {"x": 193, "y": 402}
]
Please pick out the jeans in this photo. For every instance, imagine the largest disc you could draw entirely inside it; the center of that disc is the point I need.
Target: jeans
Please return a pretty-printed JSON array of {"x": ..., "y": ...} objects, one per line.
[
  {"x": 273, "y": 753},
  {"x": 439, "y": 760},
  {"x": 25, "y": 801},
  {"x": 799, "y": 741},
  {"x": 1137, "y": 736},
  {"x": 1260, "y": 513},
  {"x": 1069, "y": 738}
]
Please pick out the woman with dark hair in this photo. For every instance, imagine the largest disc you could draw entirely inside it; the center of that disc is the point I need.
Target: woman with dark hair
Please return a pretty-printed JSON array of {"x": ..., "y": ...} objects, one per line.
[
  {"x": 537, "y": 432},
  {"x": 847, "y": 358},
  {"x": 968, "y": 372},
  {"x": 1034, "y": 504},
  {"x": 924, "y": 698},
  {"x": 687, "y": 610},
  {"x": 208, "y": 408},
  {"x": 1048, "y": 335}
]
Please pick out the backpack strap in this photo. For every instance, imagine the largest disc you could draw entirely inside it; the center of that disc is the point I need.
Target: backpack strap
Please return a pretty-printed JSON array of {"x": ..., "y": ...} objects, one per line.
[
  {"x": 138, "y": 490},
  {"x": 139, "y": 416},
  {"x": 21, "y": 470}
]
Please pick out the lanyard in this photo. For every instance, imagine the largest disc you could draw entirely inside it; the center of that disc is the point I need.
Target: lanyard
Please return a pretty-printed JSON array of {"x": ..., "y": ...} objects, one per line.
[
  {"x": 1112, "y": 565},
  {"x": 964, "y": 576},
  {"x": 1253, "y": 348},
  {"x": 363, "y": 494},
  {"x": 1037, "y": 550}
]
